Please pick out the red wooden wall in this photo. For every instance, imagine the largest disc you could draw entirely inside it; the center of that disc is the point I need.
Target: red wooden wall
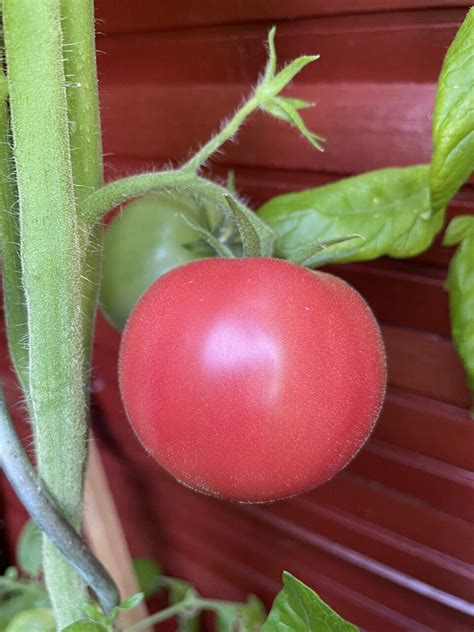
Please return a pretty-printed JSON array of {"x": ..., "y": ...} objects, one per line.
[{"x": 389, "y": 541}]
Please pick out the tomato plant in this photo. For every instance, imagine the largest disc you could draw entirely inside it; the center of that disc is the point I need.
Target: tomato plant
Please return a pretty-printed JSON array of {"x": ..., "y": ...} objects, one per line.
[
  {"x": 252, "y": 379},
  {"x": 247, "y": 378}
]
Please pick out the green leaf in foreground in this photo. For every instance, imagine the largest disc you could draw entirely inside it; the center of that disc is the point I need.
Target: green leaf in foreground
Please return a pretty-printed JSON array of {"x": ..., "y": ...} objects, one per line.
[
  {"x": 460, "y": 284},
  {"x": 148, "y": 574},
  {"x": 37, "y": 620},
  {"x": 297, "y": 608},
  {"x": 388, "y": 209},
  {"x": 453, "y": 121},
  {"x": 29, "y": 549},
  {"x": 18, "y": 596},
  {"x": 132, "y": 601}
]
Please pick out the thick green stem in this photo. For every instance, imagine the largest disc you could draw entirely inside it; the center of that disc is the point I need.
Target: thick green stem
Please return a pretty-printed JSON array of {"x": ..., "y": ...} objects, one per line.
[
  {"x": 50, "y": 257},
  {"x": 13, "y": 296},
  {"x": 86, "y": 147}
]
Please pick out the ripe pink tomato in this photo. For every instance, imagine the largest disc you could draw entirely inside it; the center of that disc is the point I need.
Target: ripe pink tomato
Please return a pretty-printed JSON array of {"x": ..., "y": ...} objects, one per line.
[{"x": 252, "y": 379}]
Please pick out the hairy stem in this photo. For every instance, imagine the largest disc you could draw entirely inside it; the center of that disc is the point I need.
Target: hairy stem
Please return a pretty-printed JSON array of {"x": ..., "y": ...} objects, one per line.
[
  {"x": 95, "y": 206},
  {"x": 86, "y": 148},
  {"x": 228, "y": 130},
  {"x": 13, "y": 296},
  {"x": 47, "y": 517},
  {"x": 51, "y": 260}
]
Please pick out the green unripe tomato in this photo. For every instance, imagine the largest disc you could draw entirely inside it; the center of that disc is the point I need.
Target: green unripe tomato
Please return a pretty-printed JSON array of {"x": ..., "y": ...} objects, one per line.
[{"x": 145, "y": 240}]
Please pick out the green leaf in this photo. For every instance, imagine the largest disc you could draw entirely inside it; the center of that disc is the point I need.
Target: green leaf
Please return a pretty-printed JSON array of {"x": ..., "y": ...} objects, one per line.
[
  {"x": 148, "y": 575},
  {"x": 298, "y": 104},
  {"x": 29, "y": 549},
  {"x": 460, "y": 285},
  {"x": 389, "y": 209},
  {"x": 132, "y": 602},
  {"x": 285, "y": 109},
  {"x": 272, "y": 84},
  {"x": 228, "y": 618},
  {"x": 257, "y": 237},
  {"x": 23, "y": 596},
  {"x": 459, "y": 228},
  {"x": 305, "y": 256},
  {"x": 220, "y": 248},
  {"x": 36, "y": 620},
  {"x": 289, "y": 72},
  {"x": 187, "y": 621},
  {"x": 84, "y": 625},
  {"x": 453, "y": 121},
  {"x": 272, "y": 58},
  {"x": 110, "y": 617},
  {"x": 297, "y": 608},
  {"x": 92, "y": 611},
  {"x": 239, "y": 617},
  {"x": 254, "y": 614}
]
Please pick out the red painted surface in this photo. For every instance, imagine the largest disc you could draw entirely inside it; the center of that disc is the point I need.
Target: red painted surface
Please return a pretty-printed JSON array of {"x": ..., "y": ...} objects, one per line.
[{"x": 389, "y": 542}]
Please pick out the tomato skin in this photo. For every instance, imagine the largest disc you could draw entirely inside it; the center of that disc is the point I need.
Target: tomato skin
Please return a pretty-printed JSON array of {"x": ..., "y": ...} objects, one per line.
[
  {"x": 252, "y": 379},
  {"x": 145, "y": 240}
]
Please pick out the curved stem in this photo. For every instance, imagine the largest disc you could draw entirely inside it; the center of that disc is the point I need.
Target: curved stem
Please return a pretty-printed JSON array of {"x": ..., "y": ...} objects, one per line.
[
  {"x": 95, "y": 206},
  {"x": 48, "y": 518}
]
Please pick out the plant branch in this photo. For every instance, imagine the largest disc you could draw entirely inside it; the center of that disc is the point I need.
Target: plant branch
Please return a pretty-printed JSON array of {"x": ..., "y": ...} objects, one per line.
[
  {"x": 228, "y": 130},
  {"x": 51, "y": 265},
  {"x": 264, "y": 97},
  {"x": 162, "y": 615},
  {"x": 47, "y": 517},
  {"x": 96, "y": 205},
  {"x": 187, "y": 604}
]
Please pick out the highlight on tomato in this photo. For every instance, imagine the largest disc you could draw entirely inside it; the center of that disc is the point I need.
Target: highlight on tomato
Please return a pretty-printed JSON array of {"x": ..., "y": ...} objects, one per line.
[{"x": 252, "y": 379}]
